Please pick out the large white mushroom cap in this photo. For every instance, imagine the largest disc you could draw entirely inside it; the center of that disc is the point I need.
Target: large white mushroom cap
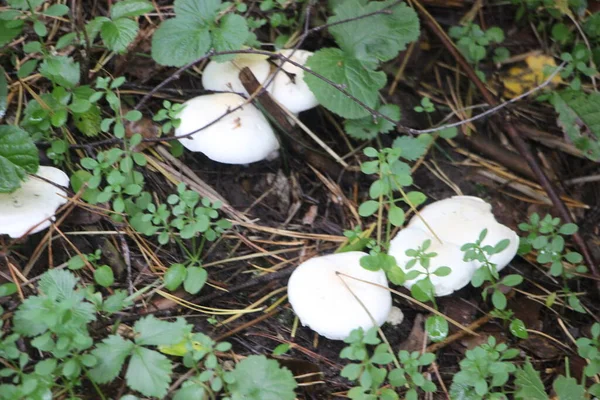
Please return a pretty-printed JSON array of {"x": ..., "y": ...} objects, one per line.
[
  {"x": 292, "y": 92},
  {"x": 448, "y": 255},
  {"x": 460, "y": 220},
  {"x": 31, "y": 208},
  {"x": 224, "y": 76},
  {"x": 322, "y": 301},
  {"x": 241, "y": 137}
]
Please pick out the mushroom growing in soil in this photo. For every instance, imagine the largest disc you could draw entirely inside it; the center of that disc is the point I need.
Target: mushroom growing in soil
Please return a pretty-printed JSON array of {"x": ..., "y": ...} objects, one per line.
[
  {"x": 455, "y": 221},
  {"x": 31, "y": 208},
  {"x": 324, "y": 300},
  {"x": 288, "y": 86},
  {"x": 241, "y": 137},
  {"x": 224, "y": 76}
]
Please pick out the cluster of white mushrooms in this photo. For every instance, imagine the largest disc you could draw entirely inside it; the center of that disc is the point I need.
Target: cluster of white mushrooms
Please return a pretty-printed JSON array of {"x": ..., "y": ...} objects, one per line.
[
  {"x": 326, "y": 298},
  {"x": 32, "y": 207},
  {"x": 244, "y": 135}
]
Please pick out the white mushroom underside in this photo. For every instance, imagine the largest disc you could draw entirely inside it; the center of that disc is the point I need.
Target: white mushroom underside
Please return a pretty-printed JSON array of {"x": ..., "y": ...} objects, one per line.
[
  {"x": 224, "y": 76},
  {"x": 241, "y": 137},
  {"x": 322, "y": 301},
  {"x": 293, "y": 94},
  {"x": 31, "y": 208}
]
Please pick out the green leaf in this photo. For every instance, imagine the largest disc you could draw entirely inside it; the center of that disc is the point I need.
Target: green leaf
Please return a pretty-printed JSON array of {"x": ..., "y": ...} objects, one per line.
[
  {"x": 258, "y": 378},
  {"x": 568, "y": 389},
  {"x": 175, "y": 276},
  {"x": 88, "y": 122},
  {"x": 155, "y": 332},
  {"x": 149, "y": 372},
  {"x": 413, "y": 148},
  {"x": 575, "y": 108},
  {"x": 378, "y": 37},
  {"x": 499, "y": 300},
  {"x": 195, "y": 279},
  {"x": 111, "y": 355},
  {"x": 231, "y": 34},
  {"x": 423, "y": 290},
  {"x": 518, "y": 328},
  {"x": 119, "y": 34},
  {"x": 368, "y": 208},
  {"x": 9, "y": 30},
  {"x": 104, "y": 276},
  {"x": 437, "y": 328},
  {"x": 27, "y": 68},
  {"x": 205, "y": 11},
  {"x": 351, "y": 74},
  {"x": 178, "y": 41},
  {"x": 130, "y": 8},
  {"x": 61, "y": 70},
  {"x": 190, "y": 390},
  {"x": 18, "y": 155},
  {"x": 8, "y": 289},
  {"x": 396, "y": 215},
  {"x": 368, "y": 127},
  {"x": 56, "y": 10}
]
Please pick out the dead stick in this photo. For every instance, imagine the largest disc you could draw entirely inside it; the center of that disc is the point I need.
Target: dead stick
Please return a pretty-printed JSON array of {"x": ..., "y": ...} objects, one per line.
[{"x": 505, "y": 119}]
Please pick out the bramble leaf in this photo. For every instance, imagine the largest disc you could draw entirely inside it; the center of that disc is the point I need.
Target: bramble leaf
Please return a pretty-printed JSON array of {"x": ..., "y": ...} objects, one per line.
[
  {"x": 18, "y": 155},
  {"x": 149, "y": 372},
  {"x": 111, "y": 355},
  {"x": 130, "y": 8},
  {"x": 529, "y": 384},
  {"x": 258, "y": 378},
  {"x": 119, "y": 34},
  {"x": 378, "y": 37},
  {"x": 152, "y": 331},
  {"x": 178, "y": 41},
  {"x": 350, "y": 74}
]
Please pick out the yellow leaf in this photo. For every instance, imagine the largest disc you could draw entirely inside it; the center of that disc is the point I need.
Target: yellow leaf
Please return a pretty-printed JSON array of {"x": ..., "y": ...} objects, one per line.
[{"x": 518, "y": 80}]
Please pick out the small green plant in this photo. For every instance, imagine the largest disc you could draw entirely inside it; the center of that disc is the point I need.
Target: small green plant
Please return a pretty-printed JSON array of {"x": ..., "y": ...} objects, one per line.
[
  {"x": 370, "y": 372},
  {"x": 473, "y": 43},
  {"x": 168, "y": 116},
  {"x": 488, "y": 273},
  {"x": 485, "y": 372},
  {"x": 589, "y": 348},
  {"x": 547, "y": 236}
]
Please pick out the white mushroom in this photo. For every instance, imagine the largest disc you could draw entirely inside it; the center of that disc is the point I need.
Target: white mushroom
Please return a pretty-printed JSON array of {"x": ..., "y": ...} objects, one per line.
[
  {"x": 448, "y": 255},
  {"x": 31, "y": 208},
  {"x": 224, "y": 76},
  {"x": 455, "y": 221},
  {"x": 288, "y": 86},
  {"x": 460, "y": 220},
  {"x": 241, "y": 137},
  {"x": 323, "y": 302},
  {"x": 395, "y": 317}
]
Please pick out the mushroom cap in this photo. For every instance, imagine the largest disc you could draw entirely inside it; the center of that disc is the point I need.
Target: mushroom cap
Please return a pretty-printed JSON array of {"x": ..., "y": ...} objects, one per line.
[
  {"x": 224, "y": 76},
  {"x": 241, "y": 137},
  {"x": 322, "y": 301},
  {"x": 293, "y": 94},
  {"x": 448, "y": 255},
  {"x": 34, "y": 204},
  {"x": 460, "y": 220}
]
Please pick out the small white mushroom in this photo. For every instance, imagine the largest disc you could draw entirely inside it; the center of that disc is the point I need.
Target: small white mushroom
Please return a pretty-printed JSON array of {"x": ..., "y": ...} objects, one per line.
[
  {"x": 448, "y": 255},
  {"x": 31, "y": 208},
  {"x": 395, "y": 317},
  {"x": 288, "y": 86},
  {"x": 224, "y": 76},
  {"x": 323, "y": 302},
  {"x": 460, "y": 220},
  {"x": 241, "y": 137}
]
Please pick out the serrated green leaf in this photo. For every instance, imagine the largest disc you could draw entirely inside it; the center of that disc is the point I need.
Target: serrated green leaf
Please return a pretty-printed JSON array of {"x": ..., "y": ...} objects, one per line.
[
  {"x": 575, "y": 108},
  {"x": 179, "y": 41},
  {"x": 413, "y": 148},
  {"x": 204, "y": 11},
  {"x": 130, "y": 8},
  {"x": 368, "y": 127},
  {"x": 378, "y": 37},
  {"x": 111, "y": 355},
  {"x": 18, "y": 155},
  {"x": 119, "y": 34},
  {"x": 88, "y": 122},
  {"x": 155, "y": 332},
  {"x": 568, "y": 389},
  {"x": 230, "y": 34},
  {"x": 61, "y": 70},
  {"x": 190, "y": 390},
  {"x": 357, "y": 79},
  {"x": 258, "y": 378},
  {"x": 149, "y": 372}
]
